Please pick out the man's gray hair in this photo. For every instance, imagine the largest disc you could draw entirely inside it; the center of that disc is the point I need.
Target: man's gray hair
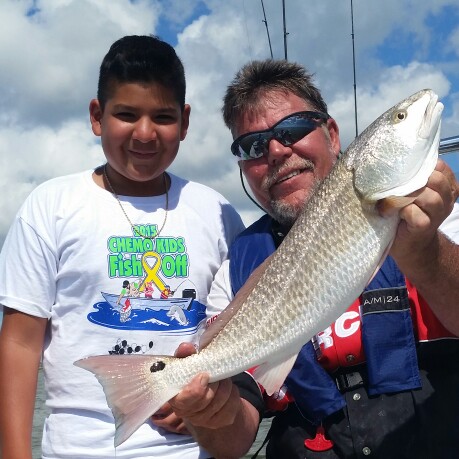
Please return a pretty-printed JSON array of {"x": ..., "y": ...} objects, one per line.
[{"x": 245, "y": 92}]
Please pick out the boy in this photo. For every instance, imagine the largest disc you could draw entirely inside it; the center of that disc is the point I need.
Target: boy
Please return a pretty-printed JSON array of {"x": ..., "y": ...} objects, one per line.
[{"x": 76, "y": 239}]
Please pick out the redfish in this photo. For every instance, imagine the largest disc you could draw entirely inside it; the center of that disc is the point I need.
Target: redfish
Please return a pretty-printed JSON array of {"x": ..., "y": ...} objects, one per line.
[{"x": 324, "y": 263}]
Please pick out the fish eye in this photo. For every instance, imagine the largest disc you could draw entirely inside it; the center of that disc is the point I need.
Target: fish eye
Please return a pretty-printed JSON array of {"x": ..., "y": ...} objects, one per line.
[{"x": 399, "y": 116}]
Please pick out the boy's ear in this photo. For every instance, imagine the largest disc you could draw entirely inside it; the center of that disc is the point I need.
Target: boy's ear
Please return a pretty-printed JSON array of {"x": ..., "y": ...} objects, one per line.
[
  {"x": 95, "y": 115},
  {"x": 185, "y": 121}
]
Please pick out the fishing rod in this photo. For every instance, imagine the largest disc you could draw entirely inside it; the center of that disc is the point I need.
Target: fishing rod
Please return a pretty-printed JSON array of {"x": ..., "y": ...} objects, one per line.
[
  {"x": 353, "y": 64},
  {"x": 267, "y": 29},
  {"x": 449, "y": 145},
  {"x": 285, "y": 30}
]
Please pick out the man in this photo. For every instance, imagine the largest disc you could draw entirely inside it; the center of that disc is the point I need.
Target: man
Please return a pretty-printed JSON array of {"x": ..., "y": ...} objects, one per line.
[{"x": 342, "y": 404}]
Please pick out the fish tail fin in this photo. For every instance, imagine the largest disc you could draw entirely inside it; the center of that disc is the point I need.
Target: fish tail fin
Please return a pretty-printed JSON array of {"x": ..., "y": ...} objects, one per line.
[{"x": 133, "y": 394}]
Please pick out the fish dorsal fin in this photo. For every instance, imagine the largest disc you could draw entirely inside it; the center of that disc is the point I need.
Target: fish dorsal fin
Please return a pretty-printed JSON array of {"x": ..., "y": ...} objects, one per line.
[
  {"x": 271, "y": 375},
  {"x": 224, "y": 317}
]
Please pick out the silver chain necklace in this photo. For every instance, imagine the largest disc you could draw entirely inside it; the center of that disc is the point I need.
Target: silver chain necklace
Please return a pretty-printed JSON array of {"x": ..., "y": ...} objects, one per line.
[{"x": 134, "y": 229}]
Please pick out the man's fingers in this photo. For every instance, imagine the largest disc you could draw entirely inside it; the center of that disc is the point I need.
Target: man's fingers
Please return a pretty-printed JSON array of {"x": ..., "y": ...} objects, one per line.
[
  {"x": 185, "y": 349},
  {"x": 448, "y": 173},
  {"x": 222, "y": 410},
  {"x": 171, "y": 423},
  {"x": 207, "y": 405},
  {"x": 194, "y": 397},
  {"x": 202, "y": 404}
]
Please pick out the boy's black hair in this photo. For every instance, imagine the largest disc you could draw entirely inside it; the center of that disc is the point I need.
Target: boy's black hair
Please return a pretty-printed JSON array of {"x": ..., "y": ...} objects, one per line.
[{"x": 141, "y": 59}]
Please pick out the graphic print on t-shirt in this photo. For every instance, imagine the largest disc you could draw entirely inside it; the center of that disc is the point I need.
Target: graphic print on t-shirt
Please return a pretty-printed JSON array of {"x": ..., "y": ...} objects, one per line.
[{"x": 151, "y": 285}]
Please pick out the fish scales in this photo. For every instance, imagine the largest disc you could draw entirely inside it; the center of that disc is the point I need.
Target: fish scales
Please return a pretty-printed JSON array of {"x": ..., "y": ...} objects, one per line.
[
  {"x": 322, "y": 266},
  {"x": 342, "y": 234}
]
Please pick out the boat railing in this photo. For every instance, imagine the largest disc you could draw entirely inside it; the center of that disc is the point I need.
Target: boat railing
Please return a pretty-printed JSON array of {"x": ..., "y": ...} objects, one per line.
[{"x": 449, "y": 145}]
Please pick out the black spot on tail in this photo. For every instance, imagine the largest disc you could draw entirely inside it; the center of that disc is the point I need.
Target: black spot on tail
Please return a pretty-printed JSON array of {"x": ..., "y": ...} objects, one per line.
[{"x": 157, "y": 366}]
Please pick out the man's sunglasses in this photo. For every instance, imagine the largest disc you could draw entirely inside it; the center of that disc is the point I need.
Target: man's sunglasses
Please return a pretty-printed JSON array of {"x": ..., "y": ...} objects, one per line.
[{"x": 287, "y": 131}]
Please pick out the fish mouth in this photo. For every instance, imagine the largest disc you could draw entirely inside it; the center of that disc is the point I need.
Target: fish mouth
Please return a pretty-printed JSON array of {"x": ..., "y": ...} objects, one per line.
[{"x": 432, "y": 116}]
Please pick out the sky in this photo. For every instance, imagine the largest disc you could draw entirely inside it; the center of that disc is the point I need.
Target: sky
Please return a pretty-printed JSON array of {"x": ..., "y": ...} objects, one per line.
[{"x": 50, "y": 52}]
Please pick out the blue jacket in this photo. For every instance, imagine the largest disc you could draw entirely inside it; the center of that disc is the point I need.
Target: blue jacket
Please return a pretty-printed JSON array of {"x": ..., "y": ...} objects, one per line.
[{"x": 387, "y": 334}]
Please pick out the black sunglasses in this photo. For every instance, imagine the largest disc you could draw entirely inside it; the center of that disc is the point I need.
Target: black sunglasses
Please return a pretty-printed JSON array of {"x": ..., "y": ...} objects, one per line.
[{"x": 287, "y": 131}]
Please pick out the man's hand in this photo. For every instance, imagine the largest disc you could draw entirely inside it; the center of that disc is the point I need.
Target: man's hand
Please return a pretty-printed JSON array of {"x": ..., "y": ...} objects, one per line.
[
  {"x": 213, "y": 414},
  {"x": 168, "y": 420},
  {"x": 206, "y": 405},
  {"x": 427, "y": 257},
  {"x": 199, "y": 403},
  {"x": 421, "y": 219}
]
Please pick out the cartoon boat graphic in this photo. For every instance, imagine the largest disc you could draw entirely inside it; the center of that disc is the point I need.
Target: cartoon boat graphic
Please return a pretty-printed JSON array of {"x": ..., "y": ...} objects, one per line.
[
  {"x": 154, "y": 304},
  {"x": 181, "y": 313}
]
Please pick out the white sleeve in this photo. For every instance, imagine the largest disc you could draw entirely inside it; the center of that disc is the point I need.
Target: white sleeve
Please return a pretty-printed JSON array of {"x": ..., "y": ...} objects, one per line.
[
  {"x": 221, "y": 293},
  {"x": 28, "y": 270},
  {"x": 451, "y": 225}
]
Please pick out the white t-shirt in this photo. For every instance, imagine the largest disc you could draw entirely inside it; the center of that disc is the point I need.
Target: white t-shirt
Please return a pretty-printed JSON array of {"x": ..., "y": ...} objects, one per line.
[
  {"x": 451, "y": 225},
  {"x": 66, "y": 257}
]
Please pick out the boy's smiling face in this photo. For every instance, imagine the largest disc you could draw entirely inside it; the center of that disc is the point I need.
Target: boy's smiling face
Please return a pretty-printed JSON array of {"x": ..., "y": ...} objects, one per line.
[{"x": 141, "y": 128}]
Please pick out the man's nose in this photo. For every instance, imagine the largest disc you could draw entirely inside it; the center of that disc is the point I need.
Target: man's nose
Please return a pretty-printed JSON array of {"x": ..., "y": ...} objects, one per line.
[{"x": 277, "y": 152}]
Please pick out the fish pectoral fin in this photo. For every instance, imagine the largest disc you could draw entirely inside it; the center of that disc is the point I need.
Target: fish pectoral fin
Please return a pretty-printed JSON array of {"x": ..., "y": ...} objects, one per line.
[
  {"x": 392, "y": 204},
  {"x": 131, "y": 389},
  {"x": 271, "y": 375}
]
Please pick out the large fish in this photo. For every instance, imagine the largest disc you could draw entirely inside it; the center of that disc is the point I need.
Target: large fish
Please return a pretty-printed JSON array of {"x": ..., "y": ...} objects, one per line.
[{"x": 322, "y": 266}]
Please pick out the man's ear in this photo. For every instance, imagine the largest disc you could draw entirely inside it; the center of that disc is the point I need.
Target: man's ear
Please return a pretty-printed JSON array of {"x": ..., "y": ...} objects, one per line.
[
  {"x": 333, "y": 131},
  {"x": 95, "y": 116}
]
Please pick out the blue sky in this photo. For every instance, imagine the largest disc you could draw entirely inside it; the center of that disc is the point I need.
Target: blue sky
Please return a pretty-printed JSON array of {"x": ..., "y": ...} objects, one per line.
[{"x": 50, "y": 51}]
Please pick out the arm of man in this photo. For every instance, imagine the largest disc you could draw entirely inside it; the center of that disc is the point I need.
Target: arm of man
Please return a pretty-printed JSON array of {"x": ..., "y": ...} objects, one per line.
[
  {"x": 424, "y": 254},
  {"x": 21, "y": 344},
  {"x": 215, "y": 414}
]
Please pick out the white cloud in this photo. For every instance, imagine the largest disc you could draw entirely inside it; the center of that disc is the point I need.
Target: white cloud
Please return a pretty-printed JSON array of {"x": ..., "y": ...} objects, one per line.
[
  {"x": 32, "y": 155},
  {"x": 50, "y": 62},
  {"x": 53, "y": 56},
  {"x": 453, "y": 42},
  {"x": 395, "y": 84}
]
